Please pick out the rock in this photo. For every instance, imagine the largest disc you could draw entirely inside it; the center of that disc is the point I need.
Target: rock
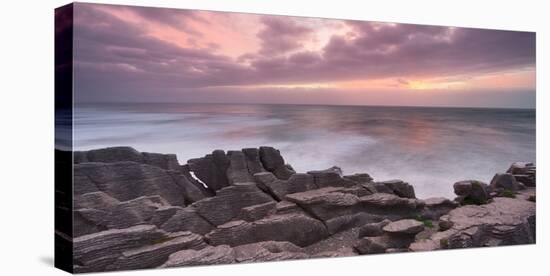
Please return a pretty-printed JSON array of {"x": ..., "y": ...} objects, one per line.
[
  {"x": 329, "y": 177},
  {"x": 504, "y": 221},
  {"x": 133, "y": 212},
  {"x": 521, "y": 168},
  {"x": 209, "y": 255},
  {"x": 385, "y": 201},
  {"x": 187, "y": 219},
  {"x": 186, "y": 172},
  {"x": 436, "y": 207},
  {"x": 274, "y": 162},
  {"x": 300, "y": 182},
  {"x": 113, "y": 154},
  {"x": 359, "y": 178},
  {"x": 372, "y": 245},
  {"x": 268, "y": 251},
  {"x": 504, "y": 181},
  {"x": 119, "y": 154},
  {"x": 211, "y": 169},
  {"x": 524, "y": 172},
  {"x": 256, "y": 212},
  {"x": 154, "y": 255},
  {"x": 162, "y": 214},
  {"x": 400, "y": 188},
  {"x": 253, "y": 162},
  {"x": 325, "y": 203},
  {"x": 164, "y": 161},
  {"x": 339, "y": 208},
  {"x": 295, "y": 228},
  {"x": 191, "y": 191},
  {"x": 404, "y": 226},
  {"x": 85, "y": 221},
  {"x": 128, "y": 180},
  {"x": 373, "y": 229},
  {"x": 345, "y": 222},
  {"x": 278, "y": 188},
  {"x": 445, "y": 225},
  {"x": 471, "y": 192},
  {"x": 284, "y": 207},
  {"x": 113, "y": 214},
  {"x": 229, "y": 201},
  {"x": 238, "y": 170},
  {"x": 96, "y": 251},
  {"x": 342, "y": 252},
  {"x": 95, "y": 200}
]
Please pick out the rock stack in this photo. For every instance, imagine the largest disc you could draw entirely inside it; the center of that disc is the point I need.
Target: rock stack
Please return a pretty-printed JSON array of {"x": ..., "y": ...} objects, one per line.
[{"x": 144, "y": 210}]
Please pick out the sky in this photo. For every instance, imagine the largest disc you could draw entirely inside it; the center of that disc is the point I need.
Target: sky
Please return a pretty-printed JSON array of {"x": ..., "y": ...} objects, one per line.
[{"x": 138, "y": 54}]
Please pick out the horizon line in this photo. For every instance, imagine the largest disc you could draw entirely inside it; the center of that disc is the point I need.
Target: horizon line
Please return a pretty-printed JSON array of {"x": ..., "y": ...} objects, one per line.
[{"x": 309, "y": 104}]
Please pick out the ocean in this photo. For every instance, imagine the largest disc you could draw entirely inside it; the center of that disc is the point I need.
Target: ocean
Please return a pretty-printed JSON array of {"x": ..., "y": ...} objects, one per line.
[{"x": 429, "y": 147}]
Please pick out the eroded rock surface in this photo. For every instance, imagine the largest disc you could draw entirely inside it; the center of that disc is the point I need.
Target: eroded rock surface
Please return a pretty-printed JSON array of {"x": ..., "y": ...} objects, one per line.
[{"x": 143, "y": 210}]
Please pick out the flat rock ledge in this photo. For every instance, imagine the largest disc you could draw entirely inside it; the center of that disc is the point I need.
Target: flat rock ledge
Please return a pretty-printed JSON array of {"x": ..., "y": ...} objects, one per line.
[{"x": 135, "y": 210}]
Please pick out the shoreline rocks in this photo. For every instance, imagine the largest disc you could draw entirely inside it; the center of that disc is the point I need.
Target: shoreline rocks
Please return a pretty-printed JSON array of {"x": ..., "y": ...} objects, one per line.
[{"x": 137, "y": 210}]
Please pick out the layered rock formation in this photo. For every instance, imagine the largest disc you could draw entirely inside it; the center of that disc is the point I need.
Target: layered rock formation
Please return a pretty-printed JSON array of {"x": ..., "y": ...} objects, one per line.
[{"x": 144, "y": 210}]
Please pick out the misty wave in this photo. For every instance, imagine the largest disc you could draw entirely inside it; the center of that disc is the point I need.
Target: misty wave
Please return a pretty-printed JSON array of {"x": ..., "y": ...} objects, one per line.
[{"x": 430, "y": 148}]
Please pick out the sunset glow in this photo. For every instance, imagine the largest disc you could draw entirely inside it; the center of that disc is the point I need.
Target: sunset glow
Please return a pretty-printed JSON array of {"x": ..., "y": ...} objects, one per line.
[{"x": 182, "y": 55}]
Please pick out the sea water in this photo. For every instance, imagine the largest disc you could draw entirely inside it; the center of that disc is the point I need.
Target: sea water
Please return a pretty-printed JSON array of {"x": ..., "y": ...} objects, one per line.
[{"x": 429, "y": 147}]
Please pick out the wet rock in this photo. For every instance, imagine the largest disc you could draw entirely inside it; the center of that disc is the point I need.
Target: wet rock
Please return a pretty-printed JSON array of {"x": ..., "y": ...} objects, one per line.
[
  {"x": 471, "y": 192},
  {"x": 209, "y": 255},
  {"x": 229, "y": 201},
  {"x": 504, "y": 181},
  {"x": 295, "y": 228},
  {"x": 273, "y": 161},
  {"x": 211, "y": 169}
]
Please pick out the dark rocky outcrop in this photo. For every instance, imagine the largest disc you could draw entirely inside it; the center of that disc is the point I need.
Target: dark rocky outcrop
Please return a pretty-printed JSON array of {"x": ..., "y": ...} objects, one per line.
[
  {"x": 524, "y": 172},
  {"x": 142, "y": 210},
  {"x": 274, "y": 162},
  {"x": 472, "y": 192}
]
